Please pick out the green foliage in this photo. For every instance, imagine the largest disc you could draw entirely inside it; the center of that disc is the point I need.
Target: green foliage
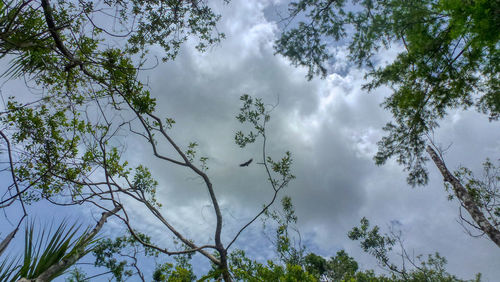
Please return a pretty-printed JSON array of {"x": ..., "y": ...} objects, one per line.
[
  {"x": 380, "y": 247},
  {"x": 76, "y": 275},
  {"x": 191, "y": 152},
  {"x": 9, "y": 269},
  {"x": 167, "y": 272},
  {"x": 253, "y": 112},
  {"x": 124, "y": 257},
  {"x": 282, "y": 168},
  {"x": 485, "y": 191},
  {"x": 119, "y": 255},
  {"x": 288, "y": 250},
  {"x": 45, "y": 250},
  {"x": 373, "y": 243},
  {"x": 49, "y": 139},
  {"x": 146, "y": 185},
  {"x": 342, "y": 266},
  {"x": 165, "y": 23},
  {"x": 305, "y": 44},
  {"x": 245, "y": 269},
  {"x": 181, "y": 271},
  {"x": 191, "y": 155},
  {"x": 312, "y": 267},
  {"x": 316, "y": 265},
  {"x": 450, "y": 60},
  {"x": 89, "y": 75}
]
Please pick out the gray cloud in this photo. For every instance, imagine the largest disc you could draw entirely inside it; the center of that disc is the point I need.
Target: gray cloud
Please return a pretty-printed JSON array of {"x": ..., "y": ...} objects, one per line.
[{"x": 331, "y": 126}]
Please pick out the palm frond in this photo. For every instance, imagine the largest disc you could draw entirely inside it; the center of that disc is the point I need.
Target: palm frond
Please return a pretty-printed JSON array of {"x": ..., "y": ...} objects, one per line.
[
  {"x": 51, "y": 253},
  {"x": 9, "y": 269},
  {"x": 49, "y": 248}
]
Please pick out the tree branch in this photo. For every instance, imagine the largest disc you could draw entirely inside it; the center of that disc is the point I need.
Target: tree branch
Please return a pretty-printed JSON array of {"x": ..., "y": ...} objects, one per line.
[{"x": 465, "y": 198}]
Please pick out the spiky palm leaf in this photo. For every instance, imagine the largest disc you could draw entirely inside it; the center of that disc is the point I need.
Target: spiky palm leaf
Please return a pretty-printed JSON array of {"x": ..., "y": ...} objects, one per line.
[
  {"x": 46, "y": 250},
  {"x": 9, "y": 269}
]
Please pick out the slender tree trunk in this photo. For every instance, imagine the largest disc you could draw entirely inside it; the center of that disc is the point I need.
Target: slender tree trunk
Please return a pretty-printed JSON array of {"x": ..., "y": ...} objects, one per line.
[
  {"x": 223, "y": 267},
  {"x": 465, "y": 198}
]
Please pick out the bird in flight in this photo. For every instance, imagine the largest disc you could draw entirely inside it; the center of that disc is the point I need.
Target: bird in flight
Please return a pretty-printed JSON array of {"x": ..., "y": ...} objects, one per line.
[{"x": 246, "y": 163}]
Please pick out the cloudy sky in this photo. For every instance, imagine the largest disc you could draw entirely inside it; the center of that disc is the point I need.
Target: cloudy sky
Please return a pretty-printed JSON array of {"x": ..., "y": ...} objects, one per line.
[{"x": 331, "y": 127}]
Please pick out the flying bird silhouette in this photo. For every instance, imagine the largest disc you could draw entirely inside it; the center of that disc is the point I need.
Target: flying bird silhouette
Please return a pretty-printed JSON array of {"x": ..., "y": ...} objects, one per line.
[{"x": 246, "y": 163}]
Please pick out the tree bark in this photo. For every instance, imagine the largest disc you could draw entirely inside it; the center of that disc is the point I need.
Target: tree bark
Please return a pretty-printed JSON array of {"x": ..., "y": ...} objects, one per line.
[
  {"x": 224, "y": 267},
  {"x": 465, "y": 198},
  {"x": 6, "y": 241}
]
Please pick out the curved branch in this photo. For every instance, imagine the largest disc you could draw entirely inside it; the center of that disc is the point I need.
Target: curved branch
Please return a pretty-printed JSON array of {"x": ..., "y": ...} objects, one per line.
[
  {"x": 193, "y": 247},
  {"x": 14, "y": 178},
  {"x": 276, "y": 189},
  {"x": 49, "y": 19}
]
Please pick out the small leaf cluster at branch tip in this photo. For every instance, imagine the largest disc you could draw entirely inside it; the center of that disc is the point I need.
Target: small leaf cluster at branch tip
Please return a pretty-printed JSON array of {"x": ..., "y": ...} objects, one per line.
[
  {"x": 191, "y": 151},
  {"x": 255, "y": 113}
]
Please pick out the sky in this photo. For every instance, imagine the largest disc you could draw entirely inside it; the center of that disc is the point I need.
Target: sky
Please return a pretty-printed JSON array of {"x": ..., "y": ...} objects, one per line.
[{"x": 331, "y": 127}]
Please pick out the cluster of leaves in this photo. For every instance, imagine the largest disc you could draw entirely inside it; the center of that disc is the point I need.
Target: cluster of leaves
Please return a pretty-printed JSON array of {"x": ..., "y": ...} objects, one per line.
[
  {"x": 381, "y": 246},
  {"x": 450, "y": 59},
  {"x": 182, "y": 271},
  {"x": 145, "y": 184},
  {"x": 289, "y": 251},
  {"x": 85, "y": 77},
  {"x": 373, "y": 243},
  {"x": 127, "y": 256},
  {"x": 107, "y": 253},
  {"x": 191, "y": 155},
  {"x": 255, "y": 113},
  {"x": 142, "y": 23},
  {"x": 293, "y": 261},
  {"x": 485, "y": 191},
  {"x": 49, "y": 138},
  {"x": 246, "y": 269},
  {"x": 170, "y": 273}
]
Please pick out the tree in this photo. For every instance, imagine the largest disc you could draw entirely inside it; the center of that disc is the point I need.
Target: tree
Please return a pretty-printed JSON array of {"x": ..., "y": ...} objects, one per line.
[
  {"x": 412, "y": 268},
  {"x": 341, "y": 267},
  {"x": 449, "y": 60},
  {"x": 77, "y": 64},
  {"x": 288, "y": 247},
  {"x": 65, "y": 145},
  {"x": 120, "y": 256}
]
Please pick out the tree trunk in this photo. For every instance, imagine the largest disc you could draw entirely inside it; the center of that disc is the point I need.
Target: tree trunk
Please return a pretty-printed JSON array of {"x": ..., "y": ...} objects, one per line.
[
  {"x": 466, "y": 199},
  {"x": 224, "y": 267}
]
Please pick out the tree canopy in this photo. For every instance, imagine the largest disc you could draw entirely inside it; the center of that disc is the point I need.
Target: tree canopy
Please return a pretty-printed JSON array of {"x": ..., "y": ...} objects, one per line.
[{"x": 449, "y": 59}]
